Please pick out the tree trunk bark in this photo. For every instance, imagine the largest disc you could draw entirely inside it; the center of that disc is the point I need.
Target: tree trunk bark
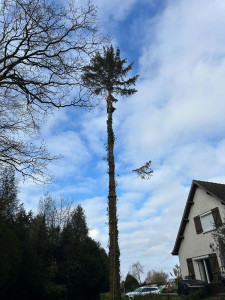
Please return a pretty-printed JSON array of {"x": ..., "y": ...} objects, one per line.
[{"x": 114, "y": 252}]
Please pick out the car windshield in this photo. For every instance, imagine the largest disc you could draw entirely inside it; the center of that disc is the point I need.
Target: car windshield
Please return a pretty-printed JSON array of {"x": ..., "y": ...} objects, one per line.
[{"x": 138, "y": 290}]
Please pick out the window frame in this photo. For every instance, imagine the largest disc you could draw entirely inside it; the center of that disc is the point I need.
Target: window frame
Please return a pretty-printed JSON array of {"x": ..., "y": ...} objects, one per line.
[
  {"x": 215, "y": 212},
  {"x": 202, "y": 223},
  {"x": 196, "y": 266}
]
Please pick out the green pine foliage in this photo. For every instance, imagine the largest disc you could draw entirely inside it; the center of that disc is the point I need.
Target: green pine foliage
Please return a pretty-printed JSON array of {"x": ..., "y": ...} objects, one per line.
[
  {"x": 43, "y": 259},
  {"x": 8, "y": 194},
  {"x": 106, "y": 74}
]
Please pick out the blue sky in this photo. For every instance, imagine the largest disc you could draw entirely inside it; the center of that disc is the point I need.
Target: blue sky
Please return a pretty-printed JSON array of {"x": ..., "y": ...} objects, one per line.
[{"x": 176, "y": 119}]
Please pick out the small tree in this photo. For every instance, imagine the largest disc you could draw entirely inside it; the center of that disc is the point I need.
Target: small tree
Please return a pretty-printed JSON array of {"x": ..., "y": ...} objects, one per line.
[
  {"x": 74, "y": 266},
  {"x": 9, "y": 203},
  {"x": 130, "y": 283},
  {"x": 55, "y": 210},
  {"x": 136, "y": 270},
  {"x": 219, "y": 246},
  {"x": 82, "y": 262},
  {"x": 176, "y": 272},
  {"x": 106, "y": 76},
  {"x": 156, "y": 276},
  {"x": 78, "y": 224}
]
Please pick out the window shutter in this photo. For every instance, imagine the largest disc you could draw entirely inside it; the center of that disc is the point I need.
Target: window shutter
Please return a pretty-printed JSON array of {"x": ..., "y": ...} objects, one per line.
[
  {"x": 198, "y": 225},
  {"x": 216, "y": 216},
  {"x": 214, "y": 266},
  {"x": 190, "y": 268}
]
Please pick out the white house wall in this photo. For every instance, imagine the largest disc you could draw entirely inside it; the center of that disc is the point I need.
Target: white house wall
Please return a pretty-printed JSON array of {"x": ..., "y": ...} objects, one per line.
[{"x": 194, "y": 244}]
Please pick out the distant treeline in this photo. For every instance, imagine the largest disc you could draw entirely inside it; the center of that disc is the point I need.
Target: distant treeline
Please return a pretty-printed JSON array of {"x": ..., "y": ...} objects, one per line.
[{"x": 48, "y": 255}]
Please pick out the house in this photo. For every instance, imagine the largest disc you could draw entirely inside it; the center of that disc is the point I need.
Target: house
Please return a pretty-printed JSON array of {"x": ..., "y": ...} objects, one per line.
[{"x": 195, "y": 246}]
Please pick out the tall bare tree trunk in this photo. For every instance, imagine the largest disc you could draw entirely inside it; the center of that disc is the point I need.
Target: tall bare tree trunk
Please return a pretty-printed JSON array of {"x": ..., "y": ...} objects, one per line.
[
  {"x": 107, "y": 73},
  {"x": 114, "y": 252}
]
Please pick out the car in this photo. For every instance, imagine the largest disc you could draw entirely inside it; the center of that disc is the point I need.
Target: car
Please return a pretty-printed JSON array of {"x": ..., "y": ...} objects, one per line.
[{"x": 144, "y": 290}]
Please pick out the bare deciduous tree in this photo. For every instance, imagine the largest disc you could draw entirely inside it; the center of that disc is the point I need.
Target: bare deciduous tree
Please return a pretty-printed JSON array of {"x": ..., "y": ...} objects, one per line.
[
  {"x": 156, "y": 277},
  {"x": 57, "y": 211},
  {"x": 43, "y": 47},
  {"x": 136, "y": 270}
]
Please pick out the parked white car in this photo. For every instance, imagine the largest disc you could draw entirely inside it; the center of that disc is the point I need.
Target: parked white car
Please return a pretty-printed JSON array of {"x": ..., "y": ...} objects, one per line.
[{"x": 145, "y": 290}]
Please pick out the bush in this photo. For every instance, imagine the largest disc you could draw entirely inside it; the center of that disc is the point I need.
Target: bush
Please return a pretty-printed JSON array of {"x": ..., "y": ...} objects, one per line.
[
  {"x": 158, "y": 297},
  {"x": 130, "y": 283},
  {"x": 195, "y": 295},
  {"x": 106, "y": 296}
]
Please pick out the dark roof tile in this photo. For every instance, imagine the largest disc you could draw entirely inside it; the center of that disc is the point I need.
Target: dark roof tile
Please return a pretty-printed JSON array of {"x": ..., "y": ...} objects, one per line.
[{"x": 217, "y": 189}]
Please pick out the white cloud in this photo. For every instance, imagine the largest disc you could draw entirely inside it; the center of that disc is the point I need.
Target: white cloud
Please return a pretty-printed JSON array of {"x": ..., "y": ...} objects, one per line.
[
  {"x": 116, "y": 10},
  {"x": 30, "y": 194},
  {"x": 96, "y": 213},
  {"x": 94, "y": 234},
  {"x": 94, "y": 131},
  {"x": 74, "y": 151},
  {"x": 176, "y": 119},
  {"x": 54, "y": 121},
  {"x": 185, "y": 98}
]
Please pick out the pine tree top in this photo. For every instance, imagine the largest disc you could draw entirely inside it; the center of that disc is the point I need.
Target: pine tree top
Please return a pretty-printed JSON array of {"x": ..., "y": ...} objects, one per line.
[{"x": 106, "y": 74}]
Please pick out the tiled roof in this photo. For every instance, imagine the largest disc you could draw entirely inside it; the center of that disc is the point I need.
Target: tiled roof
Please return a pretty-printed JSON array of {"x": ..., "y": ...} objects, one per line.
[{"x": 215, "y": 189}]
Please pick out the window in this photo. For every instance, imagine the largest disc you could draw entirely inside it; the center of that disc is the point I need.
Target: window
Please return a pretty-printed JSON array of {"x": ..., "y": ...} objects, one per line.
[
  {"x": 153, "y": 289},
  {"x": 203, "y": 269},
  {"x": 207, "y": 221}
]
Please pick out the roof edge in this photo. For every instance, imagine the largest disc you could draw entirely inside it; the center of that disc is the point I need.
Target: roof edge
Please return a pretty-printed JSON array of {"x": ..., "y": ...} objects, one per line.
[{"x": 187, "y": 208}]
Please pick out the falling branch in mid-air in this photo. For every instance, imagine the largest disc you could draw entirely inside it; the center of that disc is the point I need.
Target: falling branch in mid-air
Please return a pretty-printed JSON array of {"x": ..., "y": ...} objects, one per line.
[{"x": 144, "y": 172}]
